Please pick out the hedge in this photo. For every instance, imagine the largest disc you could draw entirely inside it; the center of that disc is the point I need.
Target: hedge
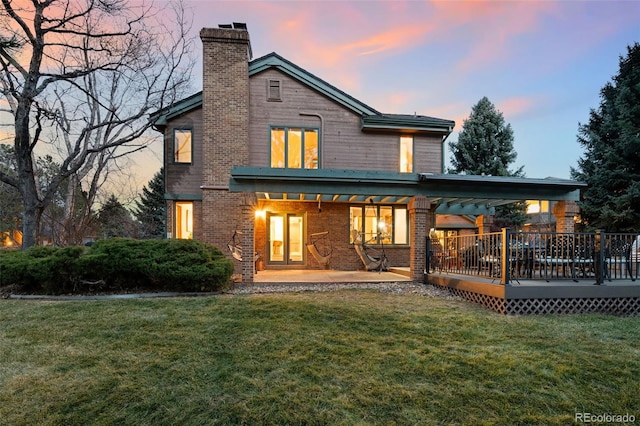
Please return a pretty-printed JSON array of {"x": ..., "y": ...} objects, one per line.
[{"x": 118, "y": 264}]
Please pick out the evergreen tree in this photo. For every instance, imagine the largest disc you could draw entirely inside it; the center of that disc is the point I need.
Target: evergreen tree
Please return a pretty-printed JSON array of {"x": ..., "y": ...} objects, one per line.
[
  {"x": 115, "y": 220},
  {"x": 485, "y": 144},
  {"x": 151, "y": 208},
  {"x": 485, "y": 147},
  {"x": 611, "y": 161}
]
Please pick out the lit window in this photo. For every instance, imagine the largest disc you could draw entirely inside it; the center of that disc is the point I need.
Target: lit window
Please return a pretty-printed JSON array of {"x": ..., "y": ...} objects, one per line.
[
  {"x": 294, "y": 148},
  {"x": 184, "y": 220},
  {"x": 380, "y": 224},
  {"x": 406, "y": 154},
  {"x": 537, "y": 206},
  {"x": 182, "y": 143}
]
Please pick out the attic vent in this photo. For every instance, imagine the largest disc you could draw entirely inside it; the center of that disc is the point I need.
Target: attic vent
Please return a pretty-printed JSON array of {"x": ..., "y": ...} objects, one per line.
[{"x": 274, "y": 90}]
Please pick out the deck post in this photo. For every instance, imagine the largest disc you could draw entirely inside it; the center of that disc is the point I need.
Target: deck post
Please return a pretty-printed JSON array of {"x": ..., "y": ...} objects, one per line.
[
  {"x": 504, "y": 257},
  {"x": 598, "y": 257}
]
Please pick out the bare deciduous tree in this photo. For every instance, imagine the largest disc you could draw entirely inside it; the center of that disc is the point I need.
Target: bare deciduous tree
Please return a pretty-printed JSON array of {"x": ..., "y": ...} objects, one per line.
[{"x": 83, "y": 76}]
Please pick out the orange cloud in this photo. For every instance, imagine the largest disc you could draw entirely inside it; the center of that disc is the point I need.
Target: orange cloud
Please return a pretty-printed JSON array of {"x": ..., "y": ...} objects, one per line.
[
  {"x": 402, "y": 37},
  {"x": 514, "y": 107}
]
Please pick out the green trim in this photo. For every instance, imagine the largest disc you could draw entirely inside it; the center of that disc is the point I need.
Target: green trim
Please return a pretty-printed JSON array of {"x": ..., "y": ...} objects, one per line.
[
  {"x": 273, "y": 60},
  {"x": 372, "y": 119},
  {"x": 419, "y": 124},
  {"x": 183, "y": 197},
  {"x": 163, "y": 116},
  {"x": 454, "y": 194}
]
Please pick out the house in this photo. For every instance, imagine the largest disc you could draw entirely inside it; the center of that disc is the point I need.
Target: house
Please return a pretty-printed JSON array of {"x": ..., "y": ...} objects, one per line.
[{"x": 269, "y": 156}]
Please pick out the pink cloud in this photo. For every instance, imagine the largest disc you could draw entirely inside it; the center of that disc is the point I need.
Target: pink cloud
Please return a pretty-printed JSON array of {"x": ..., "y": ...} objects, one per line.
[
  {"x": 396, "y": 38},
  {"x": 488, "y": 28},
  {"x": 514, "y": 107}
]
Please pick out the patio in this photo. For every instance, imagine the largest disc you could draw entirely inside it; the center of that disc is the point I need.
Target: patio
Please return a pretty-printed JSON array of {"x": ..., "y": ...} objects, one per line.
[{"x": 293, "y": 276}]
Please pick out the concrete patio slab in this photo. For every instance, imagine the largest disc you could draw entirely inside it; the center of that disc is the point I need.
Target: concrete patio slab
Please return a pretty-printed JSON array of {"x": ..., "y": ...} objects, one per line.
[{"x": 325, "y": 276}]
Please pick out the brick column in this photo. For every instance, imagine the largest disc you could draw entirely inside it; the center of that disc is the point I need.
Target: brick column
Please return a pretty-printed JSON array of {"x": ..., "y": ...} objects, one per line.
[
  {"x": 565, "y": 212},
  {"x": 484, "y": 222},
  {"x": 419, "y": 223},
  {"x": 248, "y": 237}
]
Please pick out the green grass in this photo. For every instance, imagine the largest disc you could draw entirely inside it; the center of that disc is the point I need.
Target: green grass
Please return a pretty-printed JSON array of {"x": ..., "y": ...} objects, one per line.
[{"x": 348, "y": 357}]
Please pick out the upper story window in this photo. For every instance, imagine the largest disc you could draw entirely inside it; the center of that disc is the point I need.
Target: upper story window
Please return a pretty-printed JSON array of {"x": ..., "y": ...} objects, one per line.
[
  {"x": 274, "y": 90},
  {"x": 406, "y": 154},
  {"x": 294, "y": 148},
  {"x": 182, "y": 145},
  {"x": 380, "y": 224}
]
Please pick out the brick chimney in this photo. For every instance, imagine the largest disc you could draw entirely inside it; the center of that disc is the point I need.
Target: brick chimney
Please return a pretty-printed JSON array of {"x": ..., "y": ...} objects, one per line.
[
  {"x": 225, "y": 138},
  {"x": 225, "y": 101}
]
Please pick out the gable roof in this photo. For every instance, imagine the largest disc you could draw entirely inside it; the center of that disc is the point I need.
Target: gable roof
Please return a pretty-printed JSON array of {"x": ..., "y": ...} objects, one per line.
[{"x": 371, "y": 118}]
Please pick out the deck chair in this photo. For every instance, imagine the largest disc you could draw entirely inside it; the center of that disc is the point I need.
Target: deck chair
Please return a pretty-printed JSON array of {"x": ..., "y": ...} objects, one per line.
[
  {"x": 235, "y": 247},
  {"x": 618, "y": 258},
  {"x": 373, "y": 260},
  {"x": 320, "y": 248}
]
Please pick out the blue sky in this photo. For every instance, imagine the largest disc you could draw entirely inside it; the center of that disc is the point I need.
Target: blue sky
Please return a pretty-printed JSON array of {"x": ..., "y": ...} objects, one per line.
[{"x": 542, "y": 63}]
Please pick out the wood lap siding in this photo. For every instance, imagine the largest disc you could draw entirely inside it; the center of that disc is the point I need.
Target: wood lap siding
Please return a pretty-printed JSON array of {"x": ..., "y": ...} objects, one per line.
[
  {"x": 184, "y": 178},
  {"x": 344, "y": 145}
]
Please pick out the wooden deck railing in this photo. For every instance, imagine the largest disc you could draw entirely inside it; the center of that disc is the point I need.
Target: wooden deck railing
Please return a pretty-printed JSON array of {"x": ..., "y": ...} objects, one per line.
[{"x": 508, "y": 256}]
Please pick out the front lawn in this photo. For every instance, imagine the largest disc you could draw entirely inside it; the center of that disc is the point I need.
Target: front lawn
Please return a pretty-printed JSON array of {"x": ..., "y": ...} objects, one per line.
[{"x": 346, "y": 357}]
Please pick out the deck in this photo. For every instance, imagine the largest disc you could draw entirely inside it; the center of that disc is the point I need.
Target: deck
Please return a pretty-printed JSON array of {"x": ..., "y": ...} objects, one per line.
[{"x": 556, "y": 296}]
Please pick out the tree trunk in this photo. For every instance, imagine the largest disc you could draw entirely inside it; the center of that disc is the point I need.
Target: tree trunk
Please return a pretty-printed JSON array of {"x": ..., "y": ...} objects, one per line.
[{"x": 26, "y": 177}]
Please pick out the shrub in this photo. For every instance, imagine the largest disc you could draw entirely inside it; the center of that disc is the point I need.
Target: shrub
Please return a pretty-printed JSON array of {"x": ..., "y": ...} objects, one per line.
[
  {"x": 51, "y": 270},
  {"x": 176, "y": 265},
  {"x": 122, "y": 264}
]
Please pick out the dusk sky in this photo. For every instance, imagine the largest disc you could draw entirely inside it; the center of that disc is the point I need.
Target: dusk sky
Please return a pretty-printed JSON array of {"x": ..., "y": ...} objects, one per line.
[{"x": 541, "y": 63}]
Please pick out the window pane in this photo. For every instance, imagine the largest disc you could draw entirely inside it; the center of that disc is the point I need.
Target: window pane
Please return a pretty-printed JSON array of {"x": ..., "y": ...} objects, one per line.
[
  {"x": 371, "y": 224},
  {"x": 294, "y": 149},
  {"x": 385, "y": 224},
  {"x": 276, "y": 238},
  {"x": 182, "y": 146},
  {"x": 311, "y": 149},
  {"x": 184, "y": 220},
  {"x": 406, "y": 154},
  {"x": 355, "y": 221},
  {"x": 400, "y": 234},
  {"x": 277, "y": 148}
]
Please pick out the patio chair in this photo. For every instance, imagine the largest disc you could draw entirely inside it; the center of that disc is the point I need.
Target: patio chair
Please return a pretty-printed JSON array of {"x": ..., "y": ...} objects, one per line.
[
  {"x": 489, "y": 257},
  {"x": 436, "y": 254},
  {"x": 560, "y": 254},
  {"x": 618, "y": 254},
  {"x": 235, "y": 247},
  {"x": 373, "y": 260},
  {"x": 320, "y": 248}
]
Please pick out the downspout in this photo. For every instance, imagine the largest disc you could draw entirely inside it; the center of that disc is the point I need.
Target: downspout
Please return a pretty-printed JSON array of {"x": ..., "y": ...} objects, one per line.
[{"x": 320, "y": 140}]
